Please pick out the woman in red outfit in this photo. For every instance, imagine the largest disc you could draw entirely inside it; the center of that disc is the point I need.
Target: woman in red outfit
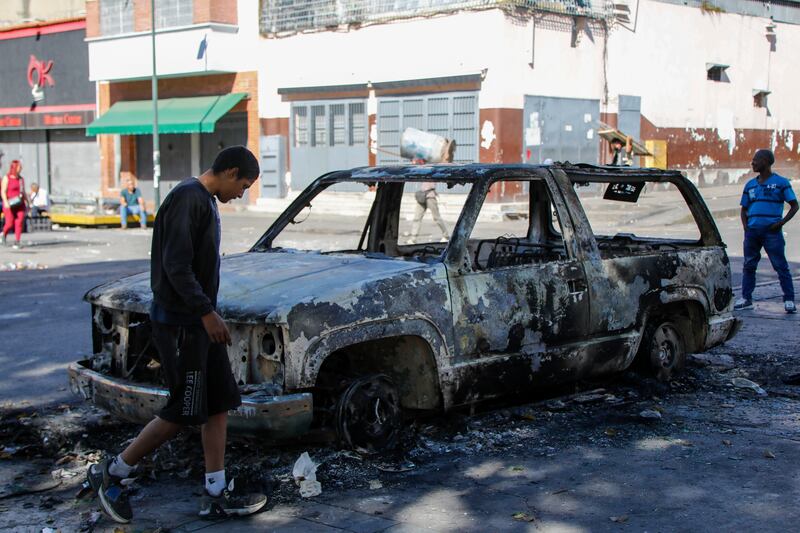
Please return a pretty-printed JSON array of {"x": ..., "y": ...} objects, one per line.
[{"x": 15, "y": 201}]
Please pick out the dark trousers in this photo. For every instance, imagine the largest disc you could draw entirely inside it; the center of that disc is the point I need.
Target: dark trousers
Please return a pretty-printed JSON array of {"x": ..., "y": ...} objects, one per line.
[{"x": 775, "y": 245}]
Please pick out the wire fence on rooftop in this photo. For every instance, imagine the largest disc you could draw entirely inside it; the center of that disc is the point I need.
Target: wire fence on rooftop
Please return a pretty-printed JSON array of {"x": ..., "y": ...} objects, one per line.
[{"x": 290, "y": 16}]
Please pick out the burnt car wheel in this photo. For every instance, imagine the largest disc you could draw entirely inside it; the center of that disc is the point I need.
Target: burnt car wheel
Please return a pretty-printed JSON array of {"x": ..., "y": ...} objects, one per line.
[
  {"x": 665, "y": 350},
  {"x": 368, "y": 415}
]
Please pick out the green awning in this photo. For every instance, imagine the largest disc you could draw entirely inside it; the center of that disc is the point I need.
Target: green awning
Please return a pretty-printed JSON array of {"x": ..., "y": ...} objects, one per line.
[{"x": 197, "y": 114}]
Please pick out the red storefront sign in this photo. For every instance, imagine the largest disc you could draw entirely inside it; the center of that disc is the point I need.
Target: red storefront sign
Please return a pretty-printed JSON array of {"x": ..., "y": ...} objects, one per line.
[{"x": 47, "y": 119}]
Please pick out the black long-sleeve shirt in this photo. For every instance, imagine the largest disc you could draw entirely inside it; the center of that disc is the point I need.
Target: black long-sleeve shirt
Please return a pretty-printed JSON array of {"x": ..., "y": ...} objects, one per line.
[{"x": 184, "y": 260}]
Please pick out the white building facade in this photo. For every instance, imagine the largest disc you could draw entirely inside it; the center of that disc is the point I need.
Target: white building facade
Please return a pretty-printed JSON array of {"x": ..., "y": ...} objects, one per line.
[{"x": 702, "y": 86}]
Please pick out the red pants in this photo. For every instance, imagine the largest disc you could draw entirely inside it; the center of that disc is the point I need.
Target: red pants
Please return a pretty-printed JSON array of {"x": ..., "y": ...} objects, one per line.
[{"x": 15, "y": 218}]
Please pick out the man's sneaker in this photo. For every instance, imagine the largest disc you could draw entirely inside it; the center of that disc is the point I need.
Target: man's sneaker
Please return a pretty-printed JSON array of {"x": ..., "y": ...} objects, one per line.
[
  {"x": 741, "y": 303},
  {"x": 111, "y": 490},
  {"x": 790, "y": 307},
  {"x": 230, "y": 502}
]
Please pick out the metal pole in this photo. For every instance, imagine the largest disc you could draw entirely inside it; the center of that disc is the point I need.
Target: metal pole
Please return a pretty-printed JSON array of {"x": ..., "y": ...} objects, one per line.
[{"x": 156, "y": 151}]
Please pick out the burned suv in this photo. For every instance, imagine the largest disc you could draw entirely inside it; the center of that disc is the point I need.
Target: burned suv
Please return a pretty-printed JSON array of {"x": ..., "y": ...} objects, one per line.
[{"x": 381, "y": 319}]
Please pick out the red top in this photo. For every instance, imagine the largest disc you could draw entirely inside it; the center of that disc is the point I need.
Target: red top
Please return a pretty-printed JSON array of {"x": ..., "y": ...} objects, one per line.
[{"x": 14, "y": 188}]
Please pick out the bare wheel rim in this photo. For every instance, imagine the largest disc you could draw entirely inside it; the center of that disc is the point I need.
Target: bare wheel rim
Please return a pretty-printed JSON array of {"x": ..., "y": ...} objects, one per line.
[
  {"x": 666, "y": 346},
  {"x": 368, "y": 415}
]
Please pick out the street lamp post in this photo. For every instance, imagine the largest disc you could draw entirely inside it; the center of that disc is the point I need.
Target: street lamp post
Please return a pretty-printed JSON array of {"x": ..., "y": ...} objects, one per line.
[{"x": 156, "y": 151}]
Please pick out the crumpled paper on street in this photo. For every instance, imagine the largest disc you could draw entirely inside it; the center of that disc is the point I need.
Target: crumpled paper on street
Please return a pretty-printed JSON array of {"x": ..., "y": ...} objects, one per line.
[{"x": 305, "y": 475}]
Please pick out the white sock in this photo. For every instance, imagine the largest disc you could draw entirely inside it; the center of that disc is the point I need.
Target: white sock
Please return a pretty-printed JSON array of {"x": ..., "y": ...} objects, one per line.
[
  {"x": 215, "y": 482},
  {"x": 119, "y": 467}
]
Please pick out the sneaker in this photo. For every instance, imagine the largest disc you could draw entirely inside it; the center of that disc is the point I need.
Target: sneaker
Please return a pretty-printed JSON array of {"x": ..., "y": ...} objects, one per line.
[
  {"x": 790, "y": 307},
  {"x": 111, "y": 490},
  {"x": 741, "y": 303},
  {"x": 230, "y": 503}
]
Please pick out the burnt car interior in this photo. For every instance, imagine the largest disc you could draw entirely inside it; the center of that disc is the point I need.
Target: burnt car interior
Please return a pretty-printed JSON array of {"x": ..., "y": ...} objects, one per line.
[
  {"x": 618, "y": 206},
  {"x": 529, "y": 238}
]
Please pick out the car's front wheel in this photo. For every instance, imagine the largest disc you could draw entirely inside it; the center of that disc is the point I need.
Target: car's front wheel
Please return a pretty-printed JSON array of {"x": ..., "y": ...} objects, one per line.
[{"x": 368, "y": 414}]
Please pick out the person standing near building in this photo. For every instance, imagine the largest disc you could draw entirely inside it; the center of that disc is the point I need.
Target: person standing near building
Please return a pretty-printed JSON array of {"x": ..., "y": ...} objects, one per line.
[
  {"x": 763, "y": 220},
  {"x": 190, "y": 338},
  {"x": 132, "y": 203},
  {"x": 621, "y": 153},
  {"x": 15, "y": 202}
]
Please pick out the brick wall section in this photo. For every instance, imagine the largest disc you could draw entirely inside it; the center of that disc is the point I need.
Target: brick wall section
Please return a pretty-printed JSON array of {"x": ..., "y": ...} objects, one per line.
[
  {"x": 372, "y": 159},
  {"x": 109, "y": 94},
  {"x": 685, "y": 147},
  {"x": 141, "y": 15},
  {"x": 107, "y": 178},
  {"x": 92, "y": 18},
  {"x": 223, "y": 11},
  {"x": 506, "y": 147}
]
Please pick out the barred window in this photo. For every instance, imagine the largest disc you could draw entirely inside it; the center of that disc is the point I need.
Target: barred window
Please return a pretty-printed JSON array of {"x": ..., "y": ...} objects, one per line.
[
  {"x": 171, "y": 13},
  {"x": 300, "y": 125},
  {"x": 358, "y": 124},
  {"x": 338, "y": 124},
  {"x": 319, "y": 133},
  {"x": 116, "y": 17}
]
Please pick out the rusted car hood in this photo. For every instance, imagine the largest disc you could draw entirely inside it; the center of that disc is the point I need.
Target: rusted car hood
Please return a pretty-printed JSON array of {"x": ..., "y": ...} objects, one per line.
[{"x": 255, "y": 287}]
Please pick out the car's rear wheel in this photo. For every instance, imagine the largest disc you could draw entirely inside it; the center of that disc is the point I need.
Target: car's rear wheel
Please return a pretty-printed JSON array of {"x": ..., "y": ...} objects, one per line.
[
  {"x": 368, "y": 414},
  {"x": 664, "y": 350}
]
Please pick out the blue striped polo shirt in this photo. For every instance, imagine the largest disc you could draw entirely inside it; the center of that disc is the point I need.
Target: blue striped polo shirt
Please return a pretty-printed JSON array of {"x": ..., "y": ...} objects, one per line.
[{"x": 764, "y": 201}]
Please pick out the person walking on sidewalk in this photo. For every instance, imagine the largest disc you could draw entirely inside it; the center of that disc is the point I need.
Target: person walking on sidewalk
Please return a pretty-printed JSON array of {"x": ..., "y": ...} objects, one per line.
[
  {"x": 190, "y": 338},
  {"x": 763, "y": 221},
  {"x": 131, "y": 203},
  {"x": 15, "y": 202}
]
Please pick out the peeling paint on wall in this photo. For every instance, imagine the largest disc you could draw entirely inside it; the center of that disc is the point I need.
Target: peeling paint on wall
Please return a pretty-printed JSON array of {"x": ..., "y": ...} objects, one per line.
[
  {"x": 725, "y": 128},
  {"x": 487, "y": 134},
  {"x": 706, "y": 161},
  {"x": 789, "y": 141}
]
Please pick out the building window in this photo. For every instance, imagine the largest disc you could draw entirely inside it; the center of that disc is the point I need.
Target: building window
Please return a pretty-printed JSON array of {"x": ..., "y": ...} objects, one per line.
[
  {"x": 450, "y": 115},
  {"x": 172, "y": 13},
  {"x": 338, "y": 125},
  {"x": 717, "y": 72},
  {"x": 116, "y": 16},
  {"x": 760, "y": 98},
  {"x": 358, "y": 124},
  {"x": 300, "y": 125},
  {"x": 319, "y": 130}
]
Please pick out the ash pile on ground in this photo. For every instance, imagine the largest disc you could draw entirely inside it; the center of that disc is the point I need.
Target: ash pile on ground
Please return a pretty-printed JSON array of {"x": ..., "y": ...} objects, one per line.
[{"x": 56, "y": 445}]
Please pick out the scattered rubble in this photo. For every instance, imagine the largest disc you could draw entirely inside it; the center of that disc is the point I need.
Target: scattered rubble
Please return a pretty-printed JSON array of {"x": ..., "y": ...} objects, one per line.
[
  {"x": 650, "y": 414},
  {"x": 724, "y": 361},
  {"x": 744, "y": 383},
  {"x": 305, "y": 475},
  {"x": 21, "y": 265}
]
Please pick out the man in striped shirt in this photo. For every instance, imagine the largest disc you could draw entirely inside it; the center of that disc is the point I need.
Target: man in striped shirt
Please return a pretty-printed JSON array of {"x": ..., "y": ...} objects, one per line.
[{"x": 763, "y": 220}]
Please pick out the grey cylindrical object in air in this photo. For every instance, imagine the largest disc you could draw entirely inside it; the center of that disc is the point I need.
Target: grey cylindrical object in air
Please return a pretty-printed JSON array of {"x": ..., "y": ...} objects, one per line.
[{"x": 417, "y": 144}]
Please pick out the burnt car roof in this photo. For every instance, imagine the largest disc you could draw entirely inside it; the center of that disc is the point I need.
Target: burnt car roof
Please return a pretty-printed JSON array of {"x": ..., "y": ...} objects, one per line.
[{"x": 473, "y": 172}]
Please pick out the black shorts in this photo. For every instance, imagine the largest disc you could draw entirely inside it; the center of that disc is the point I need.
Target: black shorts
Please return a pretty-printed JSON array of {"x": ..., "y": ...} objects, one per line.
[{"x": 197, "y": 372}]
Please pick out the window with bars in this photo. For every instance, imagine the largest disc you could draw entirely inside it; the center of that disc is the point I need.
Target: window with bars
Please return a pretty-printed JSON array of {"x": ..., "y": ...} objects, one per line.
[
  {"x": 116, "y": 17},
  {"x": 171, "y": 13},
  {"x": 300, "y": 126},
  {"x": 335, "y": 124},
  {"x": 358, "y": 124},
  {"x": 338, "y": 125},
  {"x": 319, "y": 131},
  {"x": 450, "y": 115}
]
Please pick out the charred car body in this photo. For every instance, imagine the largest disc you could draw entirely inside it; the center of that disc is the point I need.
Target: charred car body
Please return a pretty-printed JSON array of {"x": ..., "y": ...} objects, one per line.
[{"x": 354, "y": 335}]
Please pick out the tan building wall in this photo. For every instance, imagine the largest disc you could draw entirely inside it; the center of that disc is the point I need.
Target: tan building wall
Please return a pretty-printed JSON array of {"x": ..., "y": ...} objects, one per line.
[{"x": 110, "y": 93}]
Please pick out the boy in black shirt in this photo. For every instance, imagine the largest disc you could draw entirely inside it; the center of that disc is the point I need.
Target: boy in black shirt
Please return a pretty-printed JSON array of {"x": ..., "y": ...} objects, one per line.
[{"x": 191, "y": 338}]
